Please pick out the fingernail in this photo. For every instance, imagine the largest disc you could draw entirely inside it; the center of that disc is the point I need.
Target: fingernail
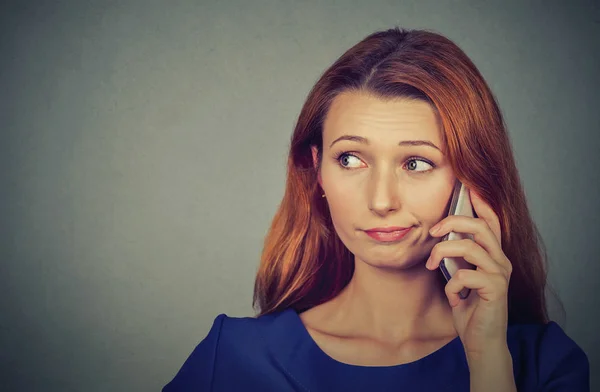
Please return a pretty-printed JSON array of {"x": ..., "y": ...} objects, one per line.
[{"x": 434, "y": 229}]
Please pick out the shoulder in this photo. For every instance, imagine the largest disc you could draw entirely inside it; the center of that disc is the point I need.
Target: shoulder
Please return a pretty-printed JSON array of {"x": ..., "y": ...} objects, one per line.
[
  {"x": 544, "y": 355},
  {"x": 230, "y": 340},
  {"x": 197, "y": 370}
]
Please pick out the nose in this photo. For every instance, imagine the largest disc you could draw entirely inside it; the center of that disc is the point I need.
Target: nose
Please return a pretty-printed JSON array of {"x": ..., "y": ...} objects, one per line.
[{"x": 383, "y": 192}]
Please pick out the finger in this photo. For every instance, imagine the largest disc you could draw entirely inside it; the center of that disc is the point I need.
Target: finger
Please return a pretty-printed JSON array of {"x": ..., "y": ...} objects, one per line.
[
  {"x": 489, "y": 287},
  {"x": 481, "y": 232},
  {"x": 486, "y": 212},
  {"x": 472, "y": 252}
]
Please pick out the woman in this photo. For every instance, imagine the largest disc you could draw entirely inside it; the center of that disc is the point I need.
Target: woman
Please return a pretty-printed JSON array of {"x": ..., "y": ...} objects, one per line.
[{"x": 344, "y": 306}]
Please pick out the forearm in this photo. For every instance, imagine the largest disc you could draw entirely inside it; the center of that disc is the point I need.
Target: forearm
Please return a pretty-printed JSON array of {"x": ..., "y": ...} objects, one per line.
[{"x": 492, "y": 371}]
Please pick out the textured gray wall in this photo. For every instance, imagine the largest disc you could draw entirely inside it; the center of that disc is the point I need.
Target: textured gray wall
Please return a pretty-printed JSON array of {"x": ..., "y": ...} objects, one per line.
[{"x": 142, "y": 156}]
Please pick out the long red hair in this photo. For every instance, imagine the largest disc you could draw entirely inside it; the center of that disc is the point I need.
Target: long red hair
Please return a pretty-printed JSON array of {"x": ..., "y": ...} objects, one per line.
[{"x": 304, "y": 263}]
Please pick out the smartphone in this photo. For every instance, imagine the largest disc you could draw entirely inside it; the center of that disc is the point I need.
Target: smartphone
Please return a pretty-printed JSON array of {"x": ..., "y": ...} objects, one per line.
[{"x": 460, "y": 204}]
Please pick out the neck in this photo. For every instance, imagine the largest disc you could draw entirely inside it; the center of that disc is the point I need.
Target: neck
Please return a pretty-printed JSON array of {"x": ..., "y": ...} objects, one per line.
[{"x": 395, "y": 305}]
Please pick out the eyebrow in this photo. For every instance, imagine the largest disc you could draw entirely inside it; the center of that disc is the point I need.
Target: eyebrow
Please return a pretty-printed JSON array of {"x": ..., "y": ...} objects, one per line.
[{"x": 363, "y": 140}]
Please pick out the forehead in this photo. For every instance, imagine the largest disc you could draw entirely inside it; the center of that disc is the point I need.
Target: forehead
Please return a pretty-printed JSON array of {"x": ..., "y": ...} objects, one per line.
[{"x": 363, "y": 114}]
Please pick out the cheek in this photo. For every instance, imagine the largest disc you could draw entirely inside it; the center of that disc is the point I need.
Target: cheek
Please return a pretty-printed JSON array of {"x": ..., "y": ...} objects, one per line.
[
  {"x": 344, "y": 198},
  {"x": 433, "y": 205},
  {"x": 344, "y": 202}
]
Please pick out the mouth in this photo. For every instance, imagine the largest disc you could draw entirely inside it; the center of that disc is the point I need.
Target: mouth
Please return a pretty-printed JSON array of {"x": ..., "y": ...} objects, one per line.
[
  {"x": 388, "y": 229},
  {"x": 388, "y": 234}
]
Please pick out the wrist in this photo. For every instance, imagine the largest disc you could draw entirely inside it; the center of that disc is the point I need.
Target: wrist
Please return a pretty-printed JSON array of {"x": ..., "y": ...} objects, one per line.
[
  {"x": 490, "y": 352},
  {"x": 491, "y": 369}
]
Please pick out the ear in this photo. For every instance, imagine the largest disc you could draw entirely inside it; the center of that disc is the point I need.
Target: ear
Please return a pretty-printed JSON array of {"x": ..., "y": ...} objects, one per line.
[{"x": 315, "y": 158}]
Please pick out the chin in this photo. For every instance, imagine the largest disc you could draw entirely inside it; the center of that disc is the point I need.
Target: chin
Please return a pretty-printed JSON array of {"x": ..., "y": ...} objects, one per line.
[{"x": 403, "y": 263}]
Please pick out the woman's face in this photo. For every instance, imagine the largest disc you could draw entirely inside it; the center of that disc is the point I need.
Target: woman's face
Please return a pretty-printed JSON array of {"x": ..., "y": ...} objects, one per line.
[{"x": 379, "y": 180}]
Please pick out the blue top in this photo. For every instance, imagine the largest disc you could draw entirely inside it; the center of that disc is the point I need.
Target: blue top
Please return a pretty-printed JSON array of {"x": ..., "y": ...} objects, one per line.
[{"x": 275, "y": 352}]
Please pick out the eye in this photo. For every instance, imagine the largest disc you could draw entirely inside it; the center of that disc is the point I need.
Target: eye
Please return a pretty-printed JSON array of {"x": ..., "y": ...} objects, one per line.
[
  {"x": 345, "y": 158},
  {"x": 417, "y": 159}
]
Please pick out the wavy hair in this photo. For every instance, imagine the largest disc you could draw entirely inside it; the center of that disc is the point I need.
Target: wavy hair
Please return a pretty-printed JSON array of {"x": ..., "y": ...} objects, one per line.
[{"x": 304, "y": 263}]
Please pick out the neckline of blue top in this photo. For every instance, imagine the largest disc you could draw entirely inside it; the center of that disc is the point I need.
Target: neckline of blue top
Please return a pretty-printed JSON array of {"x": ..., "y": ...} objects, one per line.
[{"x": 290, "y": 342}]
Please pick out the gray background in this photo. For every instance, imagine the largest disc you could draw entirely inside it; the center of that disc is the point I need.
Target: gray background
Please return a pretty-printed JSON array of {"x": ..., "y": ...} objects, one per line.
[{"x": 142, "y": 157}]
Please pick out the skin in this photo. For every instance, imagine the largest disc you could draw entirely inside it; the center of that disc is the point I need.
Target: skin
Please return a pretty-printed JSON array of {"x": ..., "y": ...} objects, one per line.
[{"x": 394, "y": 310}]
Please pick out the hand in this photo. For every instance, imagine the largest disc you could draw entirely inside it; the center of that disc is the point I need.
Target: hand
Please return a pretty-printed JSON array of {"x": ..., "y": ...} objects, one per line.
[{"x": 481, "y": 319}]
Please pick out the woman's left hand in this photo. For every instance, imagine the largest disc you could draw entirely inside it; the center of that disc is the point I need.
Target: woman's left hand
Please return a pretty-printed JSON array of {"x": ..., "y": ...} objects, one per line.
[{"x": 481, "y": 319}]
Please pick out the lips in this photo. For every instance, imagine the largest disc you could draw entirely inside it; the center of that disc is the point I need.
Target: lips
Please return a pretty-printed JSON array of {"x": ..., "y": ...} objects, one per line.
[
  {"x": 388, "y": 234},
  {"x": 387, "y": 229}
]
